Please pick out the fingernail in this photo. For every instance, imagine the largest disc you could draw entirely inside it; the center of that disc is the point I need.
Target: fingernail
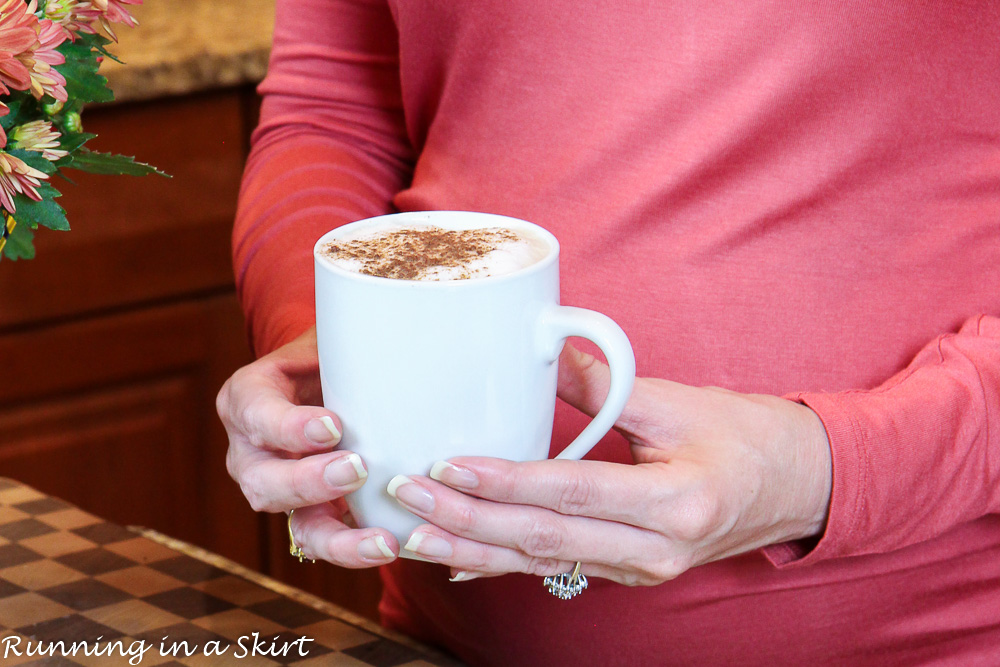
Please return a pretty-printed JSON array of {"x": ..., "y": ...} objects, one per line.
[
  {"x": 463, "y": 575},
  {"x": 414, "y": 496},
  {"x": 454, "y": 475},
  {"x": 322, "y": 431},
  {"x": 375, "y": 548},
  {"x": 345, "y": 471},
  {"x": 426, "y": 544}
]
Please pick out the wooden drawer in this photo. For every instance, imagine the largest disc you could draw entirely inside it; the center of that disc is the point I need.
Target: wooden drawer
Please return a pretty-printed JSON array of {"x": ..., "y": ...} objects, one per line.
[
  {"x": 116, "y": 414},
  {"x": 136, "y": 240}
]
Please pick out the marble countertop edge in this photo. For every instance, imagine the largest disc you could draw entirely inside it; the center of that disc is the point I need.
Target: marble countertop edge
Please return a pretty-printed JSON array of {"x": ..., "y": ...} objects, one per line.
[{"x": 188, "y": 46}]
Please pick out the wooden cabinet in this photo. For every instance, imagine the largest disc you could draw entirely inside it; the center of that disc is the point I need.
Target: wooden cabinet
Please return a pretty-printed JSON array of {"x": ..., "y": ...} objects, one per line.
[{"x": 115, "y": 340}]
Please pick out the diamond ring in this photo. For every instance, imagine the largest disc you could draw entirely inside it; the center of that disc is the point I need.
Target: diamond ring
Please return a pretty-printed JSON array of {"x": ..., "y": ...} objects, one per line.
[{"x": 567, "y": 586}]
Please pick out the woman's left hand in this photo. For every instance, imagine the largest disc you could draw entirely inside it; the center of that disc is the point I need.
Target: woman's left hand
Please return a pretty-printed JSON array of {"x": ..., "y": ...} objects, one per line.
[{"x": 716, "y": 474}]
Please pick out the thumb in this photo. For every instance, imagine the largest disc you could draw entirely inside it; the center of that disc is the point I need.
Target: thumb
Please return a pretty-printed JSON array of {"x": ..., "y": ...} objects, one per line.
[
  {"x": 584, "y": 382},
  {"x": 259, "y": 403}
]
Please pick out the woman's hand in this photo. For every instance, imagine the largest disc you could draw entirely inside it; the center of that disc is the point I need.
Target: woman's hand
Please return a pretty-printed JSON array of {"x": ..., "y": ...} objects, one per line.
[
  {"x": 717, "y": 473},
  {"x": 281, "y": 451}
]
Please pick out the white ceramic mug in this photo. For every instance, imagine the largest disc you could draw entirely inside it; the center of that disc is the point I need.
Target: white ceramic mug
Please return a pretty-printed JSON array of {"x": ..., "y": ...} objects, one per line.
[{"x": 421, "y": 371}]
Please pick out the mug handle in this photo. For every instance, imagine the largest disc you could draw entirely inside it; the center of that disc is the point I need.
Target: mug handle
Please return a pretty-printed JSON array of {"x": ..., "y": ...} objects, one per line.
[{"x": 561, "y": 322}]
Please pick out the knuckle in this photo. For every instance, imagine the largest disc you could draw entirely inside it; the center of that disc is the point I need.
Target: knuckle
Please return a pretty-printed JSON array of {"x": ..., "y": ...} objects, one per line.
[
  {"x": 544, "y": 567},
  {"x": 303, "y": 531},
  {"x": 299, "y": 487},
  {"x": 248, "y": 423},
  {"x": 256, "y": 502},
  {"x": 543, "y": 539},
  {"x": 222, "y": 401},
  {"x": 697, "y": 517},
  {"x": 479, "y": 559},
  {"x": 307, "y": 537},
  {"x": 663, "y": 570},
  {"x": 578, "y": 493},
  {"x": 465, "y": 519},
  {"x": 631, "y": 579},
  {"x": 654, "y": 568},
  {"x": 506, "y": 488},
  {"x": 251, "y": 484}
]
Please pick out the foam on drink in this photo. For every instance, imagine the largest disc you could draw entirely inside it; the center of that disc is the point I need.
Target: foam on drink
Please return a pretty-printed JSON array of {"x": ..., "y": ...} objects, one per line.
[{"x": 435, "y": 254}]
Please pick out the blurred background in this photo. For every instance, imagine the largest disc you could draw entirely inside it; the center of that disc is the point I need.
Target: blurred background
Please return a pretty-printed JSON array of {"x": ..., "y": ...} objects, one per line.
[{"x": 115, "y": 340}]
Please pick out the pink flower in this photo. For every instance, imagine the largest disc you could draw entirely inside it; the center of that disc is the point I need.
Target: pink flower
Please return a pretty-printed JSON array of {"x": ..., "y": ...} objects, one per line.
[
  {"x": 114, "y": 11},
  {"x": 82, "y": 15},
  {"x": 45, "y": 80},
  {"x": 72, "y": 15},
  {"x": 17, "y": 20},
  {"x": 62, "y": 12},
  {"x": 16, "y": 177},
  {"x": 39, "y": 136},
  {"x": 17, "y": 35}
]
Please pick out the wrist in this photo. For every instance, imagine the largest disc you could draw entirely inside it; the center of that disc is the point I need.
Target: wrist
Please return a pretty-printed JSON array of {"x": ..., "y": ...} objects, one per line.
[{"x": 812, "y": 442}]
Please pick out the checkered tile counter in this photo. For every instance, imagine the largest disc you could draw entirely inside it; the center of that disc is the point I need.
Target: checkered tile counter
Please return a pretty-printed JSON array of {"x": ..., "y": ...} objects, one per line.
[{"x": 70, "y": 576}]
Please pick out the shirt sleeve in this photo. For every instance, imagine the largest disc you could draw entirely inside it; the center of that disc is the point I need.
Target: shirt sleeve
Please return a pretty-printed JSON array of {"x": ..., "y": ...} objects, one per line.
[
  {"x": 914, "y": 457},
  {"x": 331, "y": 147}
]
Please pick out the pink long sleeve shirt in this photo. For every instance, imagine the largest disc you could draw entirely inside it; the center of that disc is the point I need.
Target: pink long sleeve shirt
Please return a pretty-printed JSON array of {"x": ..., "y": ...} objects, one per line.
[{"x": 800, "y": 199}]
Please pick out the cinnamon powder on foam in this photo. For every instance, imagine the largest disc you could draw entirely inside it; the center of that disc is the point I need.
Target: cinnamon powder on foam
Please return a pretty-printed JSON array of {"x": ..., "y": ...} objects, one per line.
[{"x": 410, "y": 254}]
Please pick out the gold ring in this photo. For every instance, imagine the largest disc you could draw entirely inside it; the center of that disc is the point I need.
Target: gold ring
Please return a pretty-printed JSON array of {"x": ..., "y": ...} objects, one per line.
[{"x": 293, "y": 548}]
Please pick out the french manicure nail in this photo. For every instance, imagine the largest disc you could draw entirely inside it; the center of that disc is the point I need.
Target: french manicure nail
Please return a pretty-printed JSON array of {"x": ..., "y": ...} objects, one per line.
[
  {"x": 345, "y": 471},
  {"x": 411, "y": 494},
  {"x": 322, "y": 431},
  {"x": 454, "y": 475},
  {"x": 375, "y": 548},
  {"x": 464, "y": 575},
  {"x": 426, "y": 544}
]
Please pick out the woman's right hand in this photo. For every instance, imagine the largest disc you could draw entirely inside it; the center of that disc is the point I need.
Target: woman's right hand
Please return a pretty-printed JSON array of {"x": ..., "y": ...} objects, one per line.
[{"x": 282, "y": 453}]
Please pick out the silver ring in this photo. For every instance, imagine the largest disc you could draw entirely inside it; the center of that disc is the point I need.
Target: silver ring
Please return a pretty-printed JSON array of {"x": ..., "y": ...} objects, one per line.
[{"x": 567, "y": 586}]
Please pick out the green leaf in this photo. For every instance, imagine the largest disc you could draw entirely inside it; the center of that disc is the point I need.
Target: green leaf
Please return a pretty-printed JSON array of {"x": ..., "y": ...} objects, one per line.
[
  {"x": 71, "y": 141},
  {"x": 107, "y": 163},
  {"x": 83, "y": 83},
  {"x": 82, "y": 48},
  {"x": 23, "y": 108},
  {"x": 19, "y": 243},
  {"x": 98, "y": 42},
  {"x": 94, "y": 40},
  {"x": 46, "y": 213},
  {"x": 8, "y": 121}
]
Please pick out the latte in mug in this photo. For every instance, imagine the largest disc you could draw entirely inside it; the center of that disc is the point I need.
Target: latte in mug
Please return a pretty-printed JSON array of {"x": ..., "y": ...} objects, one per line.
[
  {"x": 450, "y": 350},
  {"x": 430, "y": 253}
]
